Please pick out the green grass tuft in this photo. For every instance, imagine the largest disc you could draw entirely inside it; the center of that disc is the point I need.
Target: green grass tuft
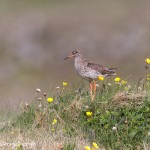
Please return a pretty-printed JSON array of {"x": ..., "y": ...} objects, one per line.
[{"x": 120, "y": 119}]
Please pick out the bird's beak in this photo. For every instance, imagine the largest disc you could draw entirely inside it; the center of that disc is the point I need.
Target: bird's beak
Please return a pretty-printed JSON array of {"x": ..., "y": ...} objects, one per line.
[{"x": 70, "y": 56}]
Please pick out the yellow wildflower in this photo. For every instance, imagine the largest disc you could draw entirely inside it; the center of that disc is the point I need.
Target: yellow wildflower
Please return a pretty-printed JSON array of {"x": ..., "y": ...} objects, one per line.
[
  {"x": 147, "y": 60},
  {"x": 19, "y": 147},
  {"x": 89, "y": 113},
  {"x": 65, "y": 84},
  {"x": 127, "y": 88},
  {"x": 123, "y": 82},
  {"x": 87, "y": 148},
  {"x": 101, "y": 78},
  {"x": 53, "y": 129},
  {"x": 54, "y": 121},
  {"x": 148, "y": 79},
  {"x": 117, "y": 79},
  {"x": 95, "y": 145},
  {"x": 50, "y": 99}
]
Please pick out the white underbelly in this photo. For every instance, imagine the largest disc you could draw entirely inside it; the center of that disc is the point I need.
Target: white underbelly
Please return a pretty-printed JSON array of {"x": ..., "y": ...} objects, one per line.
[{"x": 92, "y": 74}]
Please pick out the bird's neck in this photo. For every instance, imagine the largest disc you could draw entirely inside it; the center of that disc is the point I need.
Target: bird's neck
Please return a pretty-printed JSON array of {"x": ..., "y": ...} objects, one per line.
[
  {"x": 78, "y": 59},
  {"x": 77, "y": 62}
]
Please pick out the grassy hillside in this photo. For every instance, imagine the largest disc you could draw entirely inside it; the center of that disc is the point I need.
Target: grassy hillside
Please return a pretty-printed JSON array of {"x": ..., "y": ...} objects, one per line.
[{"x": 66, "y": 119}]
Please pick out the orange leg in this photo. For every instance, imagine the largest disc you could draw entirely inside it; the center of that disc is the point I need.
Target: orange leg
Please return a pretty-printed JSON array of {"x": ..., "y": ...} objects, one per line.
[
  {"x": 94, "y": 85},
  {"x": 91, "y": 89}
]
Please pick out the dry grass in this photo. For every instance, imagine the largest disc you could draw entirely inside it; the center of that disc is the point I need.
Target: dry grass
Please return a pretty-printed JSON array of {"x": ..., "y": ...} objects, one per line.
[
  {"x": 42, "y": 139},
  {"x": 124, "y": 98}
]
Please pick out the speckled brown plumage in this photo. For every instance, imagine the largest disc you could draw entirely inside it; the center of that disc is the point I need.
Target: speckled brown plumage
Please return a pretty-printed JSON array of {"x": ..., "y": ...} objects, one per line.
[{"x": 89, "y": 70}]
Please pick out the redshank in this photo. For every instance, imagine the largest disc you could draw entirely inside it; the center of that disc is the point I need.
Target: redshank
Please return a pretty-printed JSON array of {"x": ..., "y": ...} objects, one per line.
[{"x": 89, "y": 70}]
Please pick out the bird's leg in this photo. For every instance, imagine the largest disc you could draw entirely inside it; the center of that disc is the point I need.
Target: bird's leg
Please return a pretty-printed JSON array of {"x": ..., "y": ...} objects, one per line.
[
  {"x": 94, "y": 89},
  {"x": 91, "y": 88}
]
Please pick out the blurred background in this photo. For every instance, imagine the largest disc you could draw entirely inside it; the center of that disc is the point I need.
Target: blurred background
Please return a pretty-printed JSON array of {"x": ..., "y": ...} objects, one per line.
[{"x": 36, "y": 35}]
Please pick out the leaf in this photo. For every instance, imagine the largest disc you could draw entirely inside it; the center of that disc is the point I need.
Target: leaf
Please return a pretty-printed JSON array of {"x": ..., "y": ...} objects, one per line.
[{"x": 133, "y": 133}]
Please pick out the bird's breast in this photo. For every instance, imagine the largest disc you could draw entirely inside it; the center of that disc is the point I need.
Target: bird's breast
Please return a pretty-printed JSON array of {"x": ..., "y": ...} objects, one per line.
[
  {"x": 80, "y": 66},
  {"x": 84, "y": 71}
]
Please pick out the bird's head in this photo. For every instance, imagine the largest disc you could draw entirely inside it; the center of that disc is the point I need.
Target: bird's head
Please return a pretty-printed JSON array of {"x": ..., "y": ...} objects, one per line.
[{"x": 75, "y": 53}]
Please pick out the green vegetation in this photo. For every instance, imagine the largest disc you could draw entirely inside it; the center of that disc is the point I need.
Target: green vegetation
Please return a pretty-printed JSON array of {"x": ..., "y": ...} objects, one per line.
[{"x": 118, "y": 118}]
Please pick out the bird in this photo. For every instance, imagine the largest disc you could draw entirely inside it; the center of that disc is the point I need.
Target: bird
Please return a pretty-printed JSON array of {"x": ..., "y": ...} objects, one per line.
[{"x": 89, "y": 71}]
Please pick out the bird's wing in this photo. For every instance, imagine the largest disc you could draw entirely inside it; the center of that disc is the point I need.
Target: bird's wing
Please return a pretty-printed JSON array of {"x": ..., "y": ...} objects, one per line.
[{"x": 100, "y": 68}]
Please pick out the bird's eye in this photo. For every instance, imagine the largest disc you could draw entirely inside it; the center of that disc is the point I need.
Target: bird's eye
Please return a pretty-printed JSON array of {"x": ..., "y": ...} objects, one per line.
[{"x": 74, "y": 52}]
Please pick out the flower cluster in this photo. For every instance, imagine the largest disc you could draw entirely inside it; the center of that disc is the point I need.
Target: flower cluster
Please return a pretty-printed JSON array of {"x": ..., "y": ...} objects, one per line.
[
  {"x": 123, "y": 82},
  {"x": 101, "y": 78},
  {"x": 54, "y": 121},
  {"x": 89, "y": 113},
  {"x": 65, "y": 84},
  {"x": 50, "y": 99},
  {"x": 147, "y": 60},
  {"x": 87, "y": 148},
  {"x": 94, "y": 146},
  {"x": 53, "y": 124},
  {"x": 119, "y": 81},
  {"x": 147, "y": 67}
]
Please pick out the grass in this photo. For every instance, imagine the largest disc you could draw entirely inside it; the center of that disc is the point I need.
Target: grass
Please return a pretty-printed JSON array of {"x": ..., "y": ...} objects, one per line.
[{"x": 120, "y": 119}]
